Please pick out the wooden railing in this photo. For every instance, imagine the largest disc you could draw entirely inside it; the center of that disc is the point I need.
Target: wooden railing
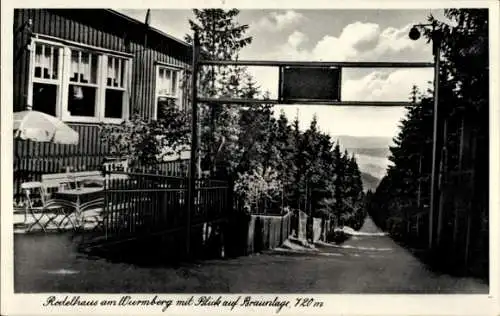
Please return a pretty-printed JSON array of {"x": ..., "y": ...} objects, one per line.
[
  {"x": 31, "y": 168},
  {"x": 143, "y": 204}
]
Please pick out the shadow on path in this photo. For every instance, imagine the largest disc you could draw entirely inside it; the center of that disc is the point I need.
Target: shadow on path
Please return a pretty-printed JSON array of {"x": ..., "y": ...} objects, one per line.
[{"x": 363, "y": 264}]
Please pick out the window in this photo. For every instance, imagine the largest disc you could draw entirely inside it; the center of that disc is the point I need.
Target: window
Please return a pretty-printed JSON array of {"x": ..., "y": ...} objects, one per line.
[
  {"x": 46, "y": 78},
  {"x": 115, "y": 88},
  {"x": 167, "y": 89},
  {"x": 78, "y": 84},
  {"x": 82, "y": 96}
]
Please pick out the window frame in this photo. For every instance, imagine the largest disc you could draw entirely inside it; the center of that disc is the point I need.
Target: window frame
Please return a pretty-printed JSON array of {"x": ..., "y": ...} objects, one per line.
[
  {"x": 66, "y": 116},
  {"x": 179, "y": 93},
  {"x": 32, "y": 79},
  {"x": 63, "y": 82},
  {"x": 127, "y": 85}
]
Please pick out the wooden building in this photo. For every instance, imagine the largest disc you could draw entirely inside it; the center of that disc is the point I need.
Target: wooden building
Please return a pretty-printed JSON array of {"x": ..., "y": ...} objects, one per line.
[{"x": 89, "y": 67}]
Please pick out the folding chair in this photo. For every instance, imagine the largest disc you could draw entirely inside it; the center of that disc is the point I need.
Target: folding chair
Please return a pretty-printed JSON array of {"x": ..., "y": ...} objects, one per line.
[
  {"x": 43, "y": 210},
  {"x": 35, "y": 196}
]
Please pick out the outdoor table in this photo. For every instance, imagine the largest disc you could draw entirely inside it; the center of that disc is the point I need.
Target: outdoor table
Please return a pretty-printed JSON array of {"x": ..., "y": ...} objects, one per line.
[{"x": 78, "y": 196}]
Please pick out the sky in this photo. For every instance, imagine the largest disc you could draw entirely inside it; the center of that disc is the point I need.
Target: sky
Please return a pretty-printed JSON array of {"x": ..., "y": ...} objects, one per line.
[{"x": 331, "y": 35}]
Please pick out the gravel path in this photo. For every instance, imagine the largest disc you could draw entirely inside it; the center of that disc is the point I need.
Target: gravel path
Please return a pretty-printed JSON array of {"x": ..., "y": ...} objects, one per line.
[{"x": 363, "y": 264}]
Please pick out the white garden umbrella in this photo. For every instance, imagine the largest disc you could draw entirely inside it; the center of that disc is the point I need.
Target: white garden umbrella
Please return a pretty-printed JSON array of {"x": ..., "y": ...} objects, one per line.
[{"x": 41, "y": 127}]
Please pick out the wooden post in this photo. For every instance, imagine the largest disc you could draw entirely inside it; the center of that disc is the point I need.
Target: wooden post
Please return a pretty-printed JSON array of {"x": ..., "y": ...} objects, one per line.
[
  {"x": 419, "y": 192},
  {"x": 194, "y": 141},
  {"x": 456, "y": 221},
  {"x": 105, "y": 219},
  {"x": 435, "y": 149},
  {"x": 418, "y": 227},
  {"x": 442, "y": 178},
  {"x": 146, "y": 28},
  {"x": 467, "y": 240},
  {"x": 269, "y": 234},
  {"x": 282, "y": 235},
  {"x": 471, "y": 214}
]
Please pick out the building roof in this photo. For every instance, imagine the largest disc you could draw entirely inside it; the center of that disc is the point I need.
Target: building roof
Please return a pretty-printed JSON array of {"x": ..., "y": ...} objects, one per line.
[{"x": 155, "y": 30}]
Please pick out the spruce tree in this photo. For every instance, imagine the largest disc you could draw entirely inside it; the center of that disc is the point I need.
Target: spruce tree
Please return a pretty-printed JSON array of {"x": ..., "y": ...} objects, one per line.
[
  {"x": 463, "y": 101},
  {"x": 221, "y": 38},
  {"x": 338, "y": 180}
]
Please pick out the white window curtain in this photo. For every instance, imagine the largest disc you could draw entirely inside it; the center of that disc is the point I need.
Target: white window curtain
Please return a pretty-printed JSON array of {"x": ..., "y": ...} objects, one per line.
[
  {"x": 42, "y": 58},
  {"x": 115, "y": 72},
  {"x": 85, "y": 67},
  {"x": 81, "y": 65},
  {"x": 46, "y": 59},
  {"x": 39, "y": 58},
  {"x": 173, "y": 90},
  {"x": 167, "y": 82},
  {"x": 75, "y": 65}
]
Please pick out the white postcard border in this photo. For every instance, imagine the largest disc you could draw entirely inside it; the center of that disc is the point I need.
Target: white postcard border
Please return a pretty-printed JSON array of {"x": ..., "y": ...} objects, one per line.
[{"x": 30, "y": 304}]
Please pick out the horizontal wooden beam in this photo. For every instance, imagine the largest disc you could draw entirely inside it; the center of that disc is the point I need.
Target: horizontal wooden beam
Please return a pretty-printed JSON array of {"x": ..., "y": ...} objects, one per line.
[
  {"x": 304, "y": 101},
  {"x": 237, "y": 101},
  {"x": 346, "y": 64}
]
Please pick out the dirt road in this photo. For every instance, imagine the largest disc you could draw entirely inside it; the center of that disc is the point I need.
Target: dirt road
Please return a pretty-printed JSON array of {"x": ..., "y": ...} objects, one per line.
[{"x": 363, "y": 264}]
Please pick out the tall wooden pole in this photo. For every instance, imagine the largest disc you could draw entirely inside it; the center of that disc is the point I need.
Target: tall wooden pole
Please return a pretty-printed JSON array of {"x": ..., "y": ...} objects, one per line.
[
  {"x": 146, "y": 28},
  {"x": 436, "y": 42},
  {"x": 194, "y": 140},
  {"x": 441, "y": 178},
  {"x": 213, "y": 107},
  {"x": 419, "y": 192}
]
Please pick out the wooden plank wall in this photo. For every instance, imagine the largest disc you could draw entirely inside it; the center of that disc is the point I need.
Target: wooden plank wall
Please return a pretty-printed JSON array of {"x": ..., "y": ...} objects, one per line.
[{"x": 103, "y": 29}]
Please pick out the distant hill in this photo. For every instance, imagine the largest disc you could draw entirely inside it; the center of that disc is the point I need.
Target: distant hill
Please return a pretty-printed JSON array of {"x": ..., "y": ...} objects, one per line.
[
  {"x": 369, "y": 182},
  {"x": 363, "y": 141},
  {"x": 371, "y": 154},
  {"x": 376, "y": 166},
  {"x": 374, "y": 152}
]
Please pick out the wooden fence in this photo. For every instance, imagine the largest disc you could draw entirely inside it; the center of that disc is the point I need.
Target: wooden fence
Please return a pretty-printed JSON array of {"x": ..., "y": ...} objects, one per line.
[
  {"x": 27, "y": 168},
  {"x": 153, "y": 208},
  {"x": 254, "y": 233}
]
